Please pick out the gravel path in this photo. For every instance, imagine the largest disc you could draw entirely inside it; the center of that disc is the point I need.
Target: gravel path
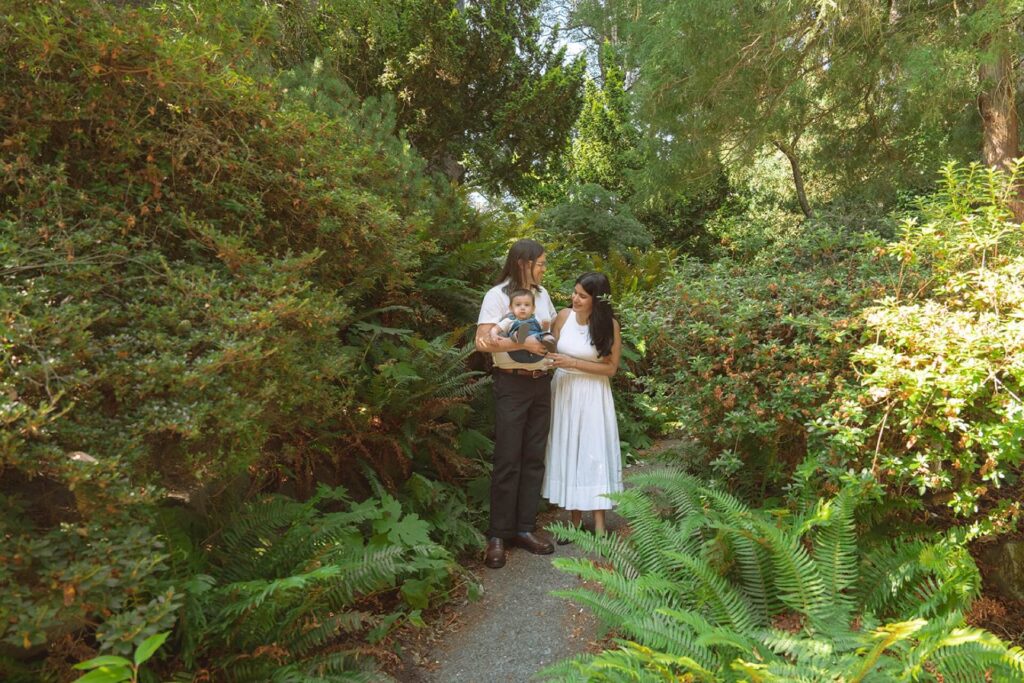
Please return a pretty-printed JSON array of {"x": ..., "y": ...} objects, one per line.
[{"x": 517, "y": 627}]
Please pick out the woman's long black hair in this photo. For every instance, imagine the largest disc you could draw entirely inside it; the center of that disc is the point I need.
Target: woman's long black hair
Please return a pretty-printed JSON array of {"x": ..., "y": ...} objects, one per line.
[
  {"x": 602, "y": 329},
  {"x": 520, "y": 255}
]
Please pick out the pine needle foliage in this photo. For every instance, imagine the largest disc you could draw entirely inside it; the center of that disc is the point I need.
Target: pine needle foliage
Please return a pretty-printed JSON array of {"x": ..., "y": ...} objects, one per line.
[{"x": 705, "y": 588}]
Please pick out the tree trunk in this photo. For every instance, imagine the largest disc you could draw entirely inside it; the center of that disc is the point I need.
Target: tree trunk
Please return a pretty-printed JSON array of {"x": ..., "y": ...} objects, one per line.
[
  {"x": 798, "y": 178},
  {"x": 998, "y": 106},
  {"x": 997, "y": 103},
  {"x": 451, "y": 167}
]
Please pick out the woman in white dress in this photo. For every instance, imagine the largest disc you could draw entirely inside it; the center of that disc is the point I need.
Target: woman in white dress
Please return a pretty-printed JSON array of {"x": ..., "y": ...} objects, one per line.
[{"x": 584, "y": 461}]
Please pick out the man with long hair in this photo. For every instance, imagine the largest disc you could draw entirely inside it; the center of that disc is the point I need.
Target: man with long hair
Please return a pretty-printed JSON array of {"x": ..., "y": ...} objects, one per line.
[{"x": 522, "y": 399}]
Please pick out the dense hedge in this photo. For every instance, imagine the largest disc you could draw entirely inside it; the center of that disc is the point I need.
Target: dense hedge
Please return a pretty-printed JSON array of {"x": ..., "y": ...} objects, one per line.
[
  {"x": 202, "y": 277},
  {"x": 744, "y": 350},
  {"x": 808, "y": 350}
]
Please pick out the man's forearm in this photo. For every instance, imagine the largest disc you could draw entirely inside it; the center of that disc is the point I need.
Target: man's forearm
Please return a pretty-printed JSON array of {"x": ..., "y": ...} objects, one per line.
[{"x": 494, "y": 344}]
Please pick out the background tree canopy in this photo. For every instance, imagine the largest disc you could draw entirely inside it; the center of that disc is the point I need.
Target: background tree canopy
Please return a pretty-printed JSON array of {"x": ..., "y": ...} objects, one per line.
[
  {"x": 865, "y": 98},
  {"x": 477, "y": 87}
]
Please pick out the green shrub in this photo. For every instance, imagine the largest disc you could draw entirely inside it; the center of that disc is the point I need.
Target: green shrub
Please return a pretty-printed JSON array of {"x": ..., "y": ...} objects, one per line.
[
  {"x": 804, "y": 340},
  {"x": 209, "y": 243},
  {"x": 704, "y": 588},
  {"x": 200, "y": 277},
  {"x": 75, "y": 575},
  {"x": 113, "y": 669},
  {"x": 743, "y": 351},
  {"x": 938, "y": 410}
]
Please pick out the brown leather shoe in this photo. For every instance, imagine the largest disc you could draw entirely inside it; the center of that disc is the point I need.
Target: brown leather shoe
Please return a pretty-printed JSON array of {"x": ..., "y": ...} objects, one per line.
[
  {"x": 533, "y": 543},
  {"x": 494, "y": 556}
]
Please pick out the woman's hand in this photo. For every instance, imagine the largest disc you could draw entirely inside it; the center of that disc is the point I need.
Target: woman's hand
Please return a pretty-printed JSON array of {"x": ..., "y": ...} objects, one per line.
[{"x": 561, "y": 360}]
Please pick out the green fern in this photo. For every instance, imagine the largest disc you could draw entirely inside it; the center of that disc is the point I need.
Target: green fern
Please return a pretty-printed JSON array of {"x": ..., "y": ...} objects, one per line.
[
  {"x": 705, "y": 588},
  {"x": 632, "y": 662},
  {"x": 725, "y": 603},
  {"x": 797, "y": 576},
  {"x": 678, "y": 488},
  {"x": 835, "y": 542},
  {"x": 913, "y": 577},
  {"x": 281, "y": 596},
  {"x": 616, "y": 550},
  {"x": 414, "y": 402},
  {"x": 649, "y": 535}
]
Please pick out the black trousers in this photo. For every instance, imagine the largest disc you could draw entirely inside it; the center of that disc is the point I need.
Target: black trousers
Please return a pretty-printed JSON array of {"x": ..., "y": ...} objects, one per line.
[{"x": 522, "y": 417}]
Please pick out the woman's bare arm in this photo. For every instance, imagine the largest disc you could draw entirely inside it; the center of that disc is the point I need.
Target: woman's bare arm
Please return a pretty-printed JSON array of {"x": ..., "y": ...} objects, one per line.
[
  {"x": 560, "y": 319},
  {"x": 607, "y": 365}
]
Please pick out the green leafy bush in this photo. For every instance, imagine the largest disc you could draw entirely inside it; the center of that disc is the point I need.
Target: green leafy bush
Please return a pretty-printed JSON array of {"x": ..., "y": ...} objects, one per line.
[
  {"x": 200, "y": 277},
  {"x": 938, "y": 410},
  {"x": 704, "y": 588},
  {"x": 79, "y": 574},
  {"x": 804, "y": 340},
  {"x": 743, "y": 351},
  {"x": 112, "y": 669}
]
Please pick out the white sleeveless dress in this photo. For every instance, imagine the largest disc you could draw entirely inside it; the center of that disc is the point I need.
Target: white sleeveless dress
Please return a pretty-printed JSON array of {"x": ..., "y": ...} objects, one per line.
[{"x": 584, "y": 460}]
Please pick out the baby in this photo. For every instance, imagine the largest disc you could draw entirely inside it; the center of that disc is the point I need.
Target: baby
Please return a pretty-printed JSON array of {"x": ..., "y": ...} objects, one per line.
[{"x": 520, "y": 324}]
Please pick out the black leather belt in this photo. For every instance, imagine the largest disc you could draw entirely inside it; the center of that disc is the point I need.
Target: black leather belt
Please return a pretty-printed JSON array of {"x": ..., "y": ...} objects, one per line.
[{"x": 532, "y": 374}]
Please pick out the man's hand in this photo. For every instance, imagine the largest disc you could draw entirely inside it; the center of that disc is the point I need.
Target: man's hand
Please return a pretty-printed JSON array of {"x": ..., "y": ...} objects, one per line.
[
  {"x": 533, "y": 345},
  {"x": 490, "y": 344}
]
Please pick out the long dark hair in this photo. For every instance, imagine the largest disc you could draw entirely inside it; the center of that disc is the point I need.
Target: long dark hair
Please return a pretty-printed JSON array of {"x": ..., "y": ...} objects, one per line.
[
  {"x": 522, "y": 254},
  {"x": 602, "y": 329}
]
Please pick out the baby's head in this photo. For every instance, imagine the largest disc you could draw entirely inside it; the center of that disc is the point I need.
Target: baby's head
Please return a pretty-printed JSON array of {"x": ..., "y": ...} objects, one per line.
[{"x": 522, "y": 303}]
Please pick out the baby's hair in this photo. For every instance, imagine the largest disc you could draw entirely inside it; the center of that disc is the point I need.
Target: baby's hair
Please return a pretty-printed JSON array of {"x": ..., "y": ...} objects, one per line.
[{"x": 521, "y": 292}]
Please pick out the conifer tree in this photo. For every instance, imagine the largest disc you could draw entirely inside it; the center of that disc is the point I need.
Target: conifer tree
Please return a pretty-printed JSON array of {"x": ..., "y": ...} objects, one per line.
[
  {"x": 870, "y": 97},
  {"x": 481, "y": 93}
]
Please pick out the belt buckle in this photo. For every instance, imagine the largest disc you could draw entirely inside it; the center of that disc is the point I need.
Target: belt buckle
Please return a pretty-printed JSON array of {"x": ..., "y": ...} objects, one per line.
[{"x": 537, "y": 374}]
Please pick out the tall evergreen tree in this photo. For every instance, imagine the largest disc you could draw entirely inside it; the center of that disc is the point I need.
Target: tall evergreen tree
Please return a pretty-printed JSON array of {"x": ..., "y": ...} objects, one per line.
[
  {"x": 872, "y": 96},
  {"x": 605, "y": 144},
  {"x": 481, "y": 92}
]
